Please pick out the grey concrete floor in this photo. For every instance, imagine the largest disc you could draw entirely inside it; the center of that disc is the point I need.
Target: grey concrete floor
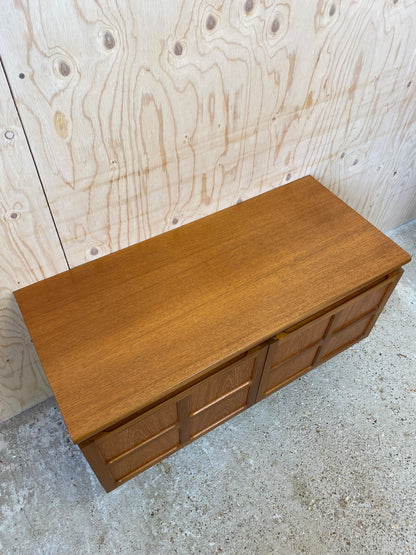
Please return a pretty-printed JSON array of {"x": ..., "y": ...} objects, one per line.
[{"x": 327, "y": 465}]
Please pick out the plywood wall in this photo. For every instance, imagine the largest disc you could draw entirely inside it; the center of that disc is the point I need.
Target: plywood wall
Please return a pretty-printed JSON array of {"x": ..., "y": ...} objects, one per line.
[
  {"x": 143, "y": 116},
  {"x": 29, "y": 252}
]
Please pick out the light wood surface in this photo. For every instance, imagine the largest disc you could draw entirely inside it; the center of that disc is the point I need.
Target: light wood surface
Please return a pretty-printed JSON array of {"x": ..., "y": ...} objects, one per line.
[
  {"x": 143, "y": 116},
  {"x": 29, "y": 252},
  {"x": 125, "y": 331}
]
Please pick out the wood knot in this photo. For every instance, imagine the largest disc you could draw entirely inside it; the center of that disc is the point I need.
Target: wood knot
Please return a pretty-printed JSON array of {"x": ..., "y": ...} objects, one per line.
[
  {"x": 109, "y": 40},
  {"x": 248, "y": 6},
  {"x": 61, "y": 124},
  {"x": 275, "y": 25},
  {"x": 178, "y": 49},
  {"x": 211, "y": 22},
  {"x": 64, "y": 68}
]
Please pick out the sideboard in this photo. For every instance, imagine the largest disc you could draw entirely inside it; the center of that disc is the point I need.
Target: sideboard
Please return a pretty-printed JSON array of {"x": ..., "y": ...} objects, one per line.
[{"x": 150, "y": 347}]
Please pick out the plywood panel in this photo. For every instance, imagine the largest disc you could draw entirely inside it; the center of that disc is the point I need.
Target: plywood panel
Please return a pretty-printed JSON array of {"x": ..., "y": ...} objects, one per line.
[
  {"x": 146, "y": 115},
  {"x": 29, "y": 251}
]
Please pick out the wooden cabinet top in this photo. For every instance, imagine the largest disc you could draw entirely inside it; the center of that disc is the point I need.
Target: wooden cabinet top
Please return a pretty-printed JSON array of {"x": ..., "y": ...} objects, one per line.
[{"x": 122, "y": 332}]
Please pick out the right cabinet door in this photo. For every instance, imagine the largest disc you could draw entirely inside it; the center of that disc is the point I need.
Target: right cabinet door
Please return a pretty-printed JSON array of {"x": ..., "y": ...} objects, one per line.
[{"x": 306, "y": 345}]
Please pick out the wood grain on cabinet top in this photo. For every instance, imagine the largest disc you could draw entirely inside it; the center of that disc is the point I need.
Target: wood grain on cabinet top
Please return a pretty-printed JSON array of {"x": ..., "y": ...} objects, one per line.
[{"x": 117, "y": 334}]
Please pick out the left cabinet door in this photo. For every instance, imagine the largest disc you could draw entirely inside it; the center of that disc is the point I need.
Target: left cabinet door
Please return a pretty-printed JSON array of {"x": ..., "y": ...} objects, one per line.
[
  {"x": 123, "y": 452},
  {"x": 119, "y": 454}
]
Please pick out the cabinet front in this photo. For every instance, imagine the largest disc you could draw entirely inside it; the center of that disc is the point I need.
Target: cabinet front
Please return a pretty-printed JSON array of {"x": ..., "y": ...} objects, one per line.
[
  {"x": 123, "y": 452},
  {"x": 301, "y": 348}
]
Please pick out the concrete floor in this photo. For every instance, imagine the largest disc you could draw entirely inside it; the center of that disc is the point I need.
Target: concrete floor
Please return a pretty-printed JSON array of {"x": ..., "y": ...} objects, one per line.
[{"x": 325, "y": 466}]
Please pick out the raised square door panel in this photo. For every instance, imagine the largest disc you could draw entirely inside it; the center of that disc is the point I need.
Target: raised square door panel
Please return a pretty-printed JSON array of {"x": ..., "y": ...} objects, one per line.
[
  {"x": 306, "y": 345},
  {"x": 120, "y": 453},
  {"x": 223, "y": 395}
]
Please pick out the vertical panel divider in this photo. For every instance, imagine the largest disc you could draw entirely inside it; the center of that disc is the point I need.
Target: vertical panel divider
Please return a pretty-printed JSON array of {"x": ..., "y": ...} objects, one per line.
[
  {"x": 325, "y": 337},
  {"x": 183, "y": 419}
]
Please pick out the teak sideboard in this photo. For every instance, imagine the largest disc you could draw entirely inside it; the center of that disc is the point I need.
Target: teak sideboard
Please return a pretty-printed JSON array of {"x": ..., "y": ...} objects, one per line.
[{"x": 150, "y": 347}]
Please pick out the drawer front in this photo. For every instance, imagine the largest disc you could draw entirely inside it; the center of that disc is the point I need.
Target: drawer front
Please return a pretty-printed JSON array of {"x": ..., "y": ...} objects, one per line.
[
  {"x": 146, "y": 455},
  {"x": 221, "y": 396},
  {"x": 292, "y": 355},
  {"x": 138, "y": 432},
  {"x": 120, "y": 454},
  {"x": 300, "y": 349}
]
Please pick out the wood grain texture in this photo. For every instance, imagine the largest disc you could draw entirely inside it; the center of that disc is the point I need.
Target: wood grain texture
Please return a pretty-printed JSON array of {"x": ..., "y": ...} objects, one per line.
[
  {"x": 146, "y": 115},
  {"x": 129, "y": 329},
  {"x": 29, "y": 252},
  {"x": 298, "y": 350},
  {"x": 146, "y": 439}
]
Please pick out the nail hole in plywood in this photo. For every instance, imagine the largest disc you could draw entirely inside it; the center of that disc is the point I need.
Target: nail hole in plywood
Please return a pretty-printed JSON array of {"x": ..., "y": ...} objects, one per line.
[
  {"x": 355, "y": 162},
  {"x": 9, "y": 134},
  {"x": 22, "y": 75},
  {"x": 14, "y": 215},
  {"x": 175, "y": 221},
  {"x": 332, "y": 10},
  {"x": 288, "y": 177},
  {"x": 94, "y": 251}
]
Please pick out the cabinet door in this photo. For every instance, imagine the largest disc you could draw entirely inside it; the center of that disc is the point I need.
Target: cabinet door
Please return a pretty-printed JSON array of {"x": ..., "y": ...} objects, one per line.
[
  {"x": 221, "y": 396},
  {"x": 301, "y": 348},
  {"x": 119, "y": 454}
]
